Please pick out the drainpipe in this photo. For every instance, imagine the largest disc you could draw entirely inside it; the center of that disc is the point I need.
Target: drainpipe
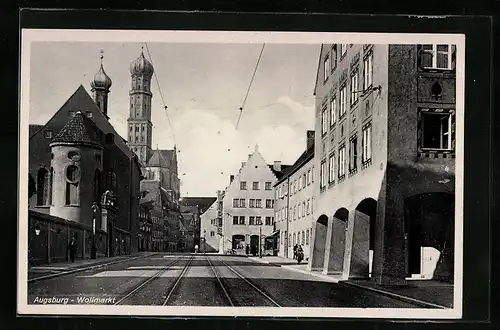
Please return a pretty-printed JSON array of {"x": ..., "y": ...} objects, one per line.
[{"x": 287, "y": 215}]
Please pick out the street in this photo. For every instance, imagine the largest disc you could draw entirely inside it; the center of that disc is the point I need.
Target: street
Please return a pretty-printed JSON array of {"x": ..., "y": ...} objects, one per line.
[{"x": 201, "y": 280}]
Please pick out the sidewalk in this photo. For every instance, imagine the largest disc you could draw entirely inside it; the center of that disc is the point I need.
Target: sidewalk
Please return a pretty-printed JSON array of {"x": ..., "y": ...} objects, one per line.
[
  {"x": 36, "y": 273},
  {"x": 427, "y": 294}
]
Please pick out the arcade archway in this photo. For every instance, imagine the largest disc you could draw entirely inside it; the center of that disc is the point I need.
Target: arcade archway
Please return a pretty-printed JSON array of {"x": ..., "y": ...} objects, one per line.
[
  {"x": 363, "y": 240},
  {"x": 318, "y": 255}
]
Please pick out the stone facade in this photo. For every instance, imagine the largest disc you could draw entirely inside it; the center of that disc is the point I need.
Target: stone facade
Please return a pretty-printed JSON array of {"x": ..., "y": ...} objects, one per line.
[{"x": 392, "y": 146}]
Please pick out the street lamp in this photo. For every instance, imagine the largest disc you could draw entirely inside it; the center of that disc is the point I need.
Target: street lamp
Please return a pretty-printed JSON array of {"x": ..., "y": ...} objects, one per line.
[
  {"x": 37, "y": 229},
  {"x": 93, "y": 252}
]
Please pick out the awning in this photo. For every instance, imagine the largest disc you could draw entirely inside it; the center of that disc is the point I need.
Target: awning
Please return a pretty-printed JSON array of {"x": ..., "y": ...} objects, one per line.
[{"x": 275, "y": 233}]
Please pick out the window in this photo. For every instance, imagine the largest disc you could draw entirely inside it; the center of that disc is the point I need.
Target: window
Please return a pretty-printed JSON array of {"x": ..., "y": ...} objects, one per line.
[
  {"x": 251, "y": 203},
  {"x": 354, "y": 87},
  {"x": 324, "y": 121},
  {"x": 88, "y": 114},
  {"x": 341, "y": 162},
  {"x": 71, "y": 113},
  {"x": 303, "y": 238},
  {"x": 242, "y": 220},
  {"x": 242, "y": 202},
  {"x": 236, "y": 202},
  {"x": 307, "y": 237},
  {"x": 268, "y": 221},
  {"x": 436, "y": 57},
  {"x": 269, "y": 204},
  {"x": 304, "y": 180},
  {"x": 436, "y": 130},
  {"x": 312, "y": 174},
  {"x": 258, "y": 220},
  {"x": 48, "y": 134},
  {"x": 243, "y": 185},
  {"x": 331, "y": 169},
  {"x": 303, "y": 208},
  {"x": 269, "y": 186},
  {"x": 258, "y": 203},
  {"x": 296, "y": 186},
  {"x": 295, "y": 212},
  {"x": 251, "y": 221},
  {"x": 333, "y": 110},
  {"x": 326, "y": 67},
  {"x": 333, "y": 61},
  {"x": 309, "y": 177},
  {"x": 343, "y": 50},
  {"x": 255, "y": 186},
  {"x": 323, "y": 175},
  {"x": 353, "y": 153},
  {"x": 308, "y": 207},
  {"x": 343, "y": 101},
  {"x": 368, "y": 71},
  {"x": 366, "y": 142},
  {"x": 72, "y": 179},
  {"x": 212, "y": 233}
]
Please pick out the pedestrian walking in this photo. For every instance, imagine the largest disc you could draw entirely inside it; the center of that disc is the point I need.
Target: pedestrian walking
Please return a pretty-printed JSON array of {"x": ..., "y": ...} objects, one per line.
[
  {"x": 72, "y": 249},
  {"x": 295, "y": 252}
]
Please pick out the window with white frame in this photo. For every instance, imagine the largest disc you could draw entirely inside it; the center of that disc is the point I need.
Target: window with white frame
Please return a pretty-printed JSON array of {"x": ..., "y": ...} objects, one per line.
[
  {"x": 236, "y": 202},
  {"x": 324, "y": 121},
  {"x": 341, "y": 164},
  {"x": 255, "y": 186},
  {"x": 300, "y": 182},
  {"x": 323, "y": 174},
  {"x": 343, "y": 50},
  {"x": 269, "y": 203},
  {"x": 308, "y": 206},
  {"x": 368, "y": 71},
  {"x": 251, "y": 203},
  {"x": 343, "y": 100},
  {"x": 258, "y": 203},
  {"x": 331, "y": 169},
  {"x": 242, "y": 202},
  {"x": 437, "y": 56},
  {"x": 333, "y": 110},
  {"x": 326, "y": 68},
  {"x": 243, "y": 185},
  {"x": 242, "y": 220},
  {"x": 353, "y": 153},
  {"x": 235, "y": 220},
  {"x": 333, "y": 60},
  {"x": 354, "y": 87},
  {"x": 366, "y": 143},
  {"x": 295, "y": 212},
  {"x": 436, "y": 128},
  {"x": 251, "y": 221},
  {"x": 258, "y": 220},
  {"x": 268, "y": 186},
  {"x": 303, "y": 208},
  {"x": 309, "y": 177}
]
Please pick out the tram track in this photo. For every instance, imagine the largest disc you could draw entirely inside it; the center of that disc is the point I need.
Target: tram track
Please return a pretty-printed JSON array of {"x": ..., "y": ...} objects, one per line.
[
  {"x": 173, "y": 288},
  {"x": 252, "y": 292},
  {"x": 131, "y": 293}
]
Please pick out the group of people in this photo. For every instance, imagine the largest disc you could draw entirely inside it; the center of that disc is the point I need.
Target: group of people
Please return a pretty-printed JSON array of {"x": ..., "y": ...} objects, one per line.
[{"x": 296, "y": 250}]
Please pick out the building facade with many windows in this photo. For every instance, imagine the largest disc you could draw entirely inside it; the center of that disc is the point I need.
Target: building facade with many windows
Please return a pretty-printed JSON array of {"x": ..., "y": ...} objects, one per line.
[
  {"x": 385, "y": 149},
  {"x": 294, "y": 203},
  {"x": 248, "y": 207}
]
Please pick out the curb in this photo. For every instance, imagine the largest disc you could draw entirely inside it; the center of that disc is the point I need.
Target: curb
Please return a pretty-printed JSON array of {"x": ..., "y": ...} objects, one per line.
[
  {"x": 396, "y": 296},
  {"x": 385, "y": 293},
  {"x": 76, "y": 270}
]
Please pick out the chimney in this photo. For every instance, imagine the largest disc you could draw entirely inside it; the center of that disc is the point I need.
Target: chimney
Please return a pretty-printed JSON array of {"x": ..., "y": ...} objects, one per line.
[
  {"x": 310, "y": 139},
  {"x": 231, "y": 179},
  {"x": 277, "y": 165},
  {"x": 243, "y": 164}
]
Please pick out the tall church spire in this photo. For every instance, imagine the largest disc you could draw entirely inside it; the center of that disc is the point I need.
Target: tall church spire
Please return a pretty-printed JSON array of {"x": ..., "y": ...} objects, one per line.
[
  {"x": 139, "y": 123},
  {"x": 100, "y": 88}
]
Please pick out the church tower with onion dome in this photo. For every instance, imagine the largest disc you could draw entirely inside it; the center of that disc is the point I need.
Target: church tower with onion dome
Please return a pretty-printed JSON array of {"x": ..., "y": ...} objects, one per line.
[
  {"x": 140, "y": 127},
  {"x": 100, "y": 86}
]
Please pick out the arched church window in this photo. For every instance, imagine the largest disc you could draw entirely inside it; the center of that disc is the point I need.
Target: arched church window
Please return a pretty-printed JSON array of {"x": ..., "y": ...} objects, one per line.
[
  {"x": 72, "y": 180},
  {"x": 42, "y": 186}
]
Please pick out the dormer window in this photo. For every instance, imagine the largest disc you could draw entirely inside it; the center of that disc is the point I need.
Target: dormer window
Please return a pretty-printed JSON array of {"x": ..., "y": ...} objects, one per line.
[{"x": 48, "y": 134}]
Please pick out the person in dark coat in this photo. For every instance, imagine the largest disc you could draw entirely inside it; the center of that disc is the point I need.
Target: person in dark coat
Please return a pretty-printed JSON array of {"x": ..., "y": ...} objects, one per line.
[
  {"x": 295, "y": 251},
  {"x": 72, "y": 249}
]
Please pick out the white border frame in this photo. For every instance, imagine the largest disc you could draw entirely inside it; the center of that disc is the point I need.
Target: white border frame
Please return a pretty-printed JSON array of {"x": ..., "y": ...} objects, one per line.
[{"x": 31, "y": 35}]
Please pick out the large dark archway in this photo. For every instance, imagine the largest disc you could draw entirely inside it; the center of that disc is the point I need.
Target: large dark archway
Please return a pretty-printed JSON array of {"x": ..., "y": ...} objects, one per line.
[
  {"x": 337, "y": 241},
  {"x": 318, "y": 253},
  {"x": 429, "y": 231},
  {"x": 238, "y": 242},
  {"x": 363, "y": 239},
  {"x": 254, "y": 244}
]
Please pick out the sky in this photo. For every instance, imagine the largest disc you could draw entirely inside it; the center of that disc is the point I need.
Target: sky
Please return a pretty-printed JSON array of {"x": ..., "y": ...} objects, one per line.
[{"x": 204, "y": 86}]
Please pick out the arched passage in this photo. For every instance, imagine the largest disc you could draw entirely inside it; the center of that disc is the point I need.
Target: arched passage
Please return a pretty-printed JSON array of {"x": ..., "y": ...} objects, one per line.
[
  {"x": 254, "y": 244},
  {"x": 318, "y": 253},
  {"x": 429, "y": 230},
  {"x": 337, "y": 241},
  {"x": 363, "y": 239}
]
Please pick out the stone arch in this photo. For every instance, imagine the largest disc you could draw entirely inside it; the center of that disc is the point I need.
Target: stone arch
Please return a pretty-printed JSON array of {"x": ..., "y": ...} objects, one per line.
[
  {"x": 335, "y": 262},
  {"x": 429, "y": 233},
  {"x": 319, "y": 243},
  {"x": 363, "y": 239}
]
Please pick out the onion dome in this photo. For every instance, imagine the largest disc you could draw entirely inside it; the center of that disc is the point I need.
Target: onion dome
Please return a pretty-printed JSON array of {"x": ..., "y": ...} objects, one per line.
[
  {"x": 101, "y": 79},
  {"x": 141, "y": 66}
]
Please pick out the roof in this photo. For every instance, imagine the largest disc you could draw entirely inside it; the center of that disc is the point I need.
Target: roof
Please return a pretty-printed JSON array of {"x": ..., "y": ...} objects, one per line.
[
  {"x": 149, "y": 191},
  {"x": 161, "y": 158},
  {"x": 317, "y": 69},
  {"x": 79, "y": 129},
  {"x": 203, "y": 203},
  {"x": 301, "y": 161},
  {"x": 279, "y": 174},
  {"x": 33, "y": 128}
]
